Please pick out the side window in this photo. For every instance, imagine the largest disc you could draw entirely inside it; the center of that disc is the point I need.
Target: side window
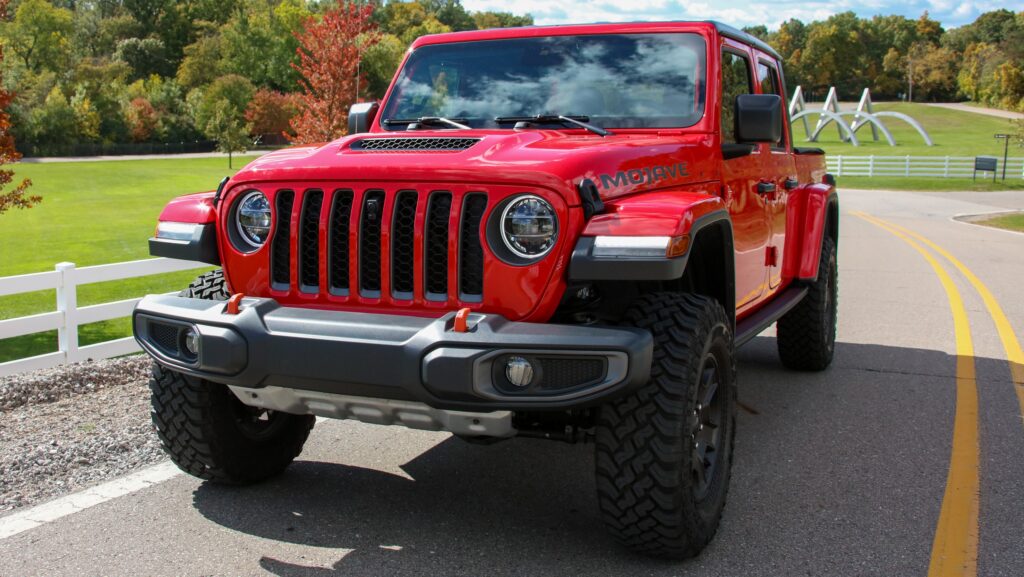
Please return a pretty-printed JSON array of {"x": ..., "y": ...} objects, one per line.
[
  {"x": 768, "y": 78},
  {"x": 736, "y": 80}
]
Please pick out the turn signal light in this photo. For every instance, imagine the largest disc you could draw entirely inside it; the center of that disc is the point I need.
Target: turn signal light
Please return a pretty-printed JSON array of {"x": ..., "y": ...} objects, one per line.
[{"x": 678, "y": 246}]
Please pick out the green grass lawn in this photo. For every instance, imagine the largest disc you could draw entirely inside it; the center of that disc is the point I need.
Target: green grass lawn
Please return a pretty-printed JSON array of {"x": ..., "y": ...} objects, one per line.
[
  {"x": 954, "y": 132},
  {"x": 1006, "y": 221},
  {"x": 915, "y": 183},
  {"x": 93, "y": 213}
]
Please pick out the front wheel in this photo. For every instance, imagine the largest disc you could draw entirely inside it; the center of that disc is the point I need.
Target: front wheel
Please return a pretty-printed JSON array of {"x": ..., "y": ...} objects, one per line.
[
  {"x": 664, "y": 452},
  {"x": 210, "y": 434}
]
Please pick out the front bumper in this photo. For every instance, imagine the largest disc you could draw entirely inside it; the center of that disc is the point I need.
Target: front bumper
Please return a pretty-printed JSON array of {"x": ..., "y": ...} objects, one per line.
[{"x": 393, "y": 356}]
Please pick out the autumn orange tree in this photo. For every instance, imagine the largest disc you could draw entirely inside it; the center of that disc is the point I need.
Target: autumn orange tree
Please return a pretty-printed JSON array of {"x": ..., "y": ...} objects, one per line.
[
  {"x": 16, "y": 197},
  {"x": 330, "y": 50}
]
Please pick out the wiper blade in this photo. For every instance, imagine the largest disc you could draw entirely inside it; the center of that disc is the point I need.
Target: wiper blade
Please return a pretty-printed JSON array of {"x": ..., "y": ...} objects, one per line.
[
  {"x": 579, "y": 120},
  {"x": 415, "y": 123}
]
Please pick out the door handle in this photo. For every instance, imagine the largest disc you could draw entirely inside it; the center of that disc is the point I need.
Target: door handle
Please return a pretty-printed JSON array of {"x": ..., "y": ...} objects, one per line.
[
  {"x": 765, "y": 188},
  {"x": 791, "y": 183}
]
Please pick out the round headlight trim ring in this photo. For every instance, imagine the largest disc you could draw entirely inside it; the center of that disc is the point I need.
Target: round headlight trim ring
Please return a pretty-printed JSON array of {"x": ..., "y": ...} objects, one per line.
[
  {"x": 505, "y": 237},
  {"x": 243, "y": 235}
]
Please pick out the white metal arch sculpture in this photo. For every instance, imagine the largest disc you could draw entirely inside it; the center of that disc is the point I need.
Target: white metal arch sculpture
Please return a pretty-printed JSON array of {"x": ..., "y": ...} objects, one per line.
[
  {"x": 832, "y": 116},
  {"x": 862, "y": 119},
  {"x": 909, "y": 120},
  {"x": 864, "y": 115}
]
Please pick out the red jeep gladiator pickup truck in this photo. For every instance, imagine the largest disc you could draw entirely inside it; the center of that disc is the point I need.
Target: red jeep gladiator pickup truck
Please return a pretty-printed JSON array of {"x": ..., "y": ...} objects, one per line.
[{"x": 558, "y": 232}]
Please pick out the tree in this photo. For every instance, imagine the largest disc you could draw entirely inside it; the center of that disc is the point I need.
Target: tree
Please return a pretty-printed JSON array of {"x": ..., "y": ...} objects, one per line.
[
  {"x": 144, "y": 56},
  {"x": 270, "y": 112},
  {"x": 18, "y": 196},
  {"x": 202, "y": 63},
  {"x": 142, "y": 119},
  {"x": 484, "y": 20},
  {"x": 40, "y": 35},
  {"x": 329, "y": 55},
  {"x": 380, "y": 63},
  {"x": 260, "y": 45},
  {"x": 236, "y": 90},
  {"x": 225, "y": 127}
]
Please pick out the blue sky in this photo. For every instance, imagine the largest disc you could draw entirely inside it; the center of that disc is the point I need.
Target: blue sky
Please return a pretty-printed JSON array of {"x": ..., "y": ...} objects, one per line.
[{"x": 950, "y": 13}]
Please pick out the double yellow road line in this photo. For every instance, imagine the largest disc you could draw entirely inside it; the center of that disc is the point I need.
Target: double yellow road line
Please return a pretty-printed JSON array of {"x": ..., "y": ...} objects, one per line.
[{"x": 955, "y": 548}]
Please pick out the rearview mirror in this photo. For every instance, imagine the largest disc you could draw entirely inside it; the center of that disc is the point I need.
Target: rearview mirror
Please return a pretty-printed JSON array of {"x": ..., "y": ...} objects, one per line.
[
  {"x": 759, "y": 118},
  {"x": 360, "y": 116}
]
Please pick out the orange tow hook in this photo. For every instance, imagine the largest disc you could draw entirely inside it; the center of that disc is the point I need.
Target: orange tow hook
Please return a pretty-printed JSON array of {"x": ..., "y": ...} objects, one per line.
[
  {"x": 233, "y": 303},
  {"x": 461, "y": 321}
]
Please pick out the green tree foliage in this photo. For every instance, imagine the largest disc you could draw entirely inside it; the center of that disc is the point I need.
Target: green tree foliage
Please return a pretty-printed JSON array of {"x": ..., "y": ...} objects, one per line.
[
  {"x": 259, "y": 43},
  {"x": 225, "y": 126},
  {"x": 40, "y": 35},
  {"x": 143, "y": 56},
  {"x": 486, "y": 20},
  {"x": 380, "y": 62},
  {"x": 203, "y": 62},
  {"x": 231, "y": 93}
]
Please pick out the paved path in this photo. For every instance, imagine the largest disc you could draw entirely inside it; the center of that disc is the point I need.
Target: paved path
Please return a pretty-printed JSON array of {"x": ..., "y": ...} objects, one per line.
[
  {"x": 42, "y": 160},
  {"x": 837, "y": 473},
  {"x": 978, "y": 110}
]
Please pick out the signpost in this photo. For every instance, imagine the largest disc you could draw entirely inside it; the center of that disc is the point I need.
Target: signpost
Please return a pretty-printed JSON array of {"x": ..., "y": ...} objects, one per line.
[
  {"x": 985, "y": 164},
  {"x": 1006, "y": 149}
]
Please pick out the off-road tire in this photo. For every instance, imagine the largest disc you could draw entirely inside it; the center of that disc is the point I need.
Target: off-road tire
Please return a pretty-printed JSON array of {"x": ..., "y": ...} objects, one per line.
[
  {"x": 806, "y": 335},
  {"x": 210, "y": 286},
  {"x": 208, "y": 432},
  {"x": 645, "y": 454}
]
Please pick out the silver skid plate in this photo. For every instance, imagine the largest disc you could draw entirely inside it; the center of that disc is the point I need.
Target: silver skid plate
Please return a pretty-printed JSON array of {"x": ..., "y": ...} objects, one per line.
[{"x": 378, "y": 411}]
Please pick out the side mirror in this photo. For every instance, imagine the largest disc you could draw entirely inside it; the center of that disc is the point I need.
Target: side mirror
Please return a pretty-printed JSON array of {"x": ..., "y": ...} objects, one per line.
[
  {"x": 360, "y": 116},
  {"x": 759, "y": 118}
]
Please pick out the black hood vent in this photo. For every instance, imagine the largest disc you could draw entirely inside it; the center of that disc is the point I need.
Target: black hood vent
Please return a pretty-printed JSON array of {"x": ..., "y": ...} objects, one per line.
[{"x": 407, "y": 144}]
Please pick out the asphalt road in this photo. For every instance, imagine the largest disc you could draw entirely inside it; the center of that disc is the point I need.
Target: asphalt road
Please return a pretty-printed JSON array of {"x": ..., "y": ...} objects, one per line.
[{"x": 836, "y": 473}]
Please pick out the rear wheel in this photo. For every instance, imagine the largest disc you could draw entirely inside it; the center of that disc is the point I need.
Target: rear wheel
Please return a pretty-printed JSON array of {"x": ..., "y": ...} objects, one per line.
[
  {"x": 806, "y": 335},
  {"x": 664, "y": 452},
  {"x": 212, "y": 435}
]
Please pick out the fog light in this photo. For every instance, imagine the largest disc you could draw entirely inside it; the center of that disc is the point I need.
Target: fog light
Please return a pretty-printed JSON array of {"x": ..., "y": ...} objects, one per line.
[
  {"x": 519, "y": 371},
  {"x": 192, "y": 341}
]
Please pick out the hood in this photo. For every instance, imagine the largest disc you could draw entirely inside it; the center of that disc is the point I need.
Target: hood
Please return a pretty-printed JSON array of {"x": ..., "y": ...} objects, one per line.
[{"x": 619, "y": 164}]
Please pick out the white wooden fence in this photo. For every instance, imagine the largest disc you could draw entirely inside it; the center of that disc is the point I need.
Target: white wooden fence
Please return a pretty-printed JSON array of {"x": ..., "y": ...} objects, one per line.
[
  {"x": 66, "y": 319},
  {"x": 927, "y": 166}
]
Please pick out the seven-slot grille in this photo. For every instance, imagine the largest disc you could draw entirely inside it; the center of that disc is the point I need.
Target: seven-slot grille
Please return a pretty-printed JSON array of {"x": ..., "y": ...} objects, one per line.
[{"x": 364, "y": 227}]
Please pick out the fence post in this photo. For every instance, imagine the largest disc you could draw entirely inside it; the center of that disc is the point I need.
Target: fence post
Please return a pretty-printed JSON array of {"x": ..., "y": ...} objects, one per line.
[
  {"x": 67, "y": 303},
  {"x": 908, "y": 166},
  {"x": 871, "y": 166},
  {"x": 839, "y": 165}
]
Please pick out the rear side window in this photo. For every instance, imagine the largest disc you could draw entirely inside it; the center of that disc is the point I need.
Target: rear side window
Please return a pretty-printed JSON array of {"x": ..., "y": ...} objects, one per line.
[{"x": 736, "y": 80}]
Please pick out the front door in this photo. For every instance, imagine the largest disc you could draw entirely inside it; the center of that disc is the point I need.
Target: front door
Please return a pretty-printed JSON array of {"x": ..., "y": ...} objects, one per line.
[{"x": 740, "y": 177}]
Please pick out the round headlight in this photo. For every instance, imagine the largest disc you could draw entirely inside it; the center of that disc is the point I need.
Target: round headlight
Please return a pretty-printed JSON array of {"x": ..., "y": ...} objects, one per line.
[
  {"x": 253, "y": 218},
  {"x": 529, "y": 227}
]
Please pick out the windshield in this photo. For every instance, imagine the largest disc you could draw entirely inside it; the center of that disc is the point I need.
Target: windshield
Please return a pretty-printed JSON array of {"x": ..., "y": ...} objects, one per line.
[{"x": 612, "y": 81}]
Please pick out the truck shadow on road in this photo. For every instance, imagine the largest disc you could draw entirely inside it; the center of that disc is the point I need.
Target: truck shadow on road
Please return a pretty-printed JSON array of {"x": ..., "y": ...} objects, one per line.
[{"x": 832, "y": 469}]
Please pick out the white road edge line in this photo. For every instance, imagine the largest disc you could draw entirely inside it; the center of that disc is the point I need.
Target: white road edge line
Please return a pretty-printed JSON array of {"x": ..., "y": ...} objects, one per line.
[
  {"x": 61, "y": 507},
  {"x": 50, "y": 511}
]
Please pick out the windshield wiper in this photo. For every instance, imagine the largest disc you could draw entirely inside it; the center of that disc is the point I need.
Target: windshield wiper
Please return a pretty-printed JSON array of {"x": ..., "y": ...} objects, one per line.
[
  {"x": 415, "y": 123},
  {"x": 580, "y": 121}
]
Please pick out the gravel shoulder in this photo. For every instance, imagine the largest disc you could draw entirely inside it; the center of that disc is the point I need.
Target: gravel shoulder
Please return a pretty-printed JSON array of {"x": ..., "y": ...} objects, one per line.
[{"x": 71, "y": 427}]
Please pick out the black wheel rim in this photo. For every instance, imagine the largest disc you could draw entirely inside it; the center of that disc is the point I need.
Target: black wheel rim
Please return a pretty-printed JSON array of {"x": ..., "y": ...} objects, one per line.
[
  {"x": 256, "y": 423},
  {"x": 707, "y": 423}
]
